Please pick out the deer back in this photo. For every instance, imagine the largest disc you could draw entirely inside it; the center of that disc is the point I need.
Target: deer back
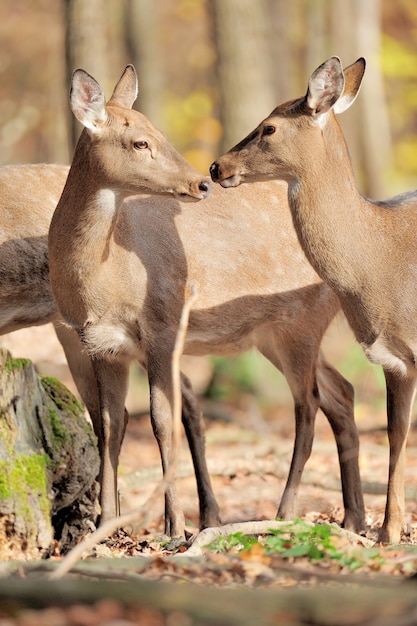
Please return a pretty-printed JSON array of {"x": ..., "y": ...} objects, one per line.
[{"x": 25, "y": 293}]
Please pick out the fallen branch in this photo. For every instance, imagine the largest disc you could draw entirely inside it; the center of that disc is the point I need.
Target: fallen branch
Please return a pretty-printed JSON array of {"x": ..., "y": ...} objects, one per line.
[
  {"x": 264, "y": 527},
  {"x": 143, "y": 515}
]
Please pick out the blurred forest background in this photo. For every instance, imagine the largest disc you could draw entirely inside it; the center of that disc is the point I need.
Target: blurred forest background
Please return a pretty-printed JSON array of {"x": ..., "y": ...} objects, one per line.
[{"x": 209, "y": 70}]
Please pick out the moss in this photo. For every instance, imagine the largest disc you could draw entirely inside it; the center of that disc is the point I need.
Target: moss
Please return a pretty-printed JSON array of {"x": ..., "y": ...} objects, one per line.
[
  {"x": 61, "y": 396},
  {"x": 61, "y": 432},
  {"x": 58, "y": 432},
  {"x": 6, "y": 435},
  {"x": 12, "y": 365},
  {"x": 22, "y": 477}
]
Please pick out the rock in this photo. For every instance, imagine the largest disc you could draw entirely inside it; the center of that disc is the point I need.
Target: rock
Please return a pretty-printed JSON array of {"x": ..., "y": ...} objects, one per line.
[{"x": 48, "y": 463}]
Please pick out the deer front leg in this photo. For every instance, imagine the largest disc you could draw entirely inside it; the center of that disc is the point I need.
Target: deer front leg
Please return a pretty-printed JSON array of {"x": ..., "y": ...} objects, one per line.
[
  {"x": 194, "y": 430},
  {"x": 81, "y": 368},
  {"x": 400, "y": 396},
  {"x": 112, "y": 381}
]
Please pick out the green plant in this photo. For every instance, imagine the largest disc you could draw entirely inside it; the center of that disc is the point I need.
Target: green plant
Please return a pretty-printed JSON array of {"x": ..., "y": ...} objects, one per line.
[
  {"x": 298, "y": 540},
  {"x": 238, "y": 541}
]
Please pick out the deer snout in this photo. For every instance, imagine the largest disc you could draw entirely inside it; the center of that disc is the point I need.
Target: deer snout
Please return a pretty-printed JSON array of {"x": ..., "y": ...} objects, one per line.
[
  {"x": 215, "y": 171},
  {"x": 194, "y": 191},
  {"x": 225, "y": 176},
  {"x": 205, "y": 187}
]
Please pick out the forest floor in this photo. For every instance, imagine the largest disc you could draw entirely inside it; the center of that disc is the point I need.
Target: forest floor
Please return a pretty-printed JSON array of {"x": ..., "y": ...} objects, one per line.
[{"x": 248, "y": 453}]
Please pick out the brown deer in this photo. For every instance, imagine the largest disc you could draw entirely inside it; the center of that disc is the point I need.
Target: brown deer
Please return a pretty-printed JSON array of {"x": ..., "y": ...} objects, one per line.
[
  {"x": 364, "y": 250},
  {"x": 121, "y": 268},
  {"x": 29, "y": 195}
]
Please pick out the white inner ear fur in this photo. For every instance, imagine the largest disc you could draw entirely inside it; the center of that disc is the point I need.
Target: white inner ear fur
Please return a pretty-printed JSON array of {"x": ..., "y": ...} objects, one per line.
[{"x": 343, "y": 103}]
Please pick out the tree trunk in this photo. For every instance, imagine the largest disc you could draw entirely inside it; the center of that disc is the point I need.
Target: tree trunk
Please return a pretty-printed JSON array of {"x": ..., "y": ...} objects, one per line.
[
  {"x": 244, "y": 65},
  {"x": 48, "y": 463},
  {"x": 86, "y": 45},
  {"x": 142, "y": 37},
  {"x": 375, "y": 126}
]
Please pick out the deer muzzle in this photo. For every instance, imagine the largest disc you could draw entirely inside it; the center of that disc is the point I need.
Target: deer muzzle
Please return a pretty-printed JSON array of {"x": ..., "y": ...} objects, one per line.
[
  {"x": 223, "y": 175},
  {"x": 195, "y": 191}
]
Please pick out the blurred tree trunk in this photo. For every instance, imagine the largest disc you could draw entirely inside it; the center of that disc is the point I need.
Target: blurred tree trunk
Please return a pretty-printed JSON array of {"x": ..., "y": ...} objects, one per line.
[
  {"x": 375, "y": 126},
  {"x": 145, "y": 53},
  {"x": 342, "y": 25},
  {"x": 316, "y": 43},
  {"x": 366, "y": 124},
  {"x": 86, "y": 45},
  {"x": 282, "y": 50},
  {"x": 245, "y": 65}
]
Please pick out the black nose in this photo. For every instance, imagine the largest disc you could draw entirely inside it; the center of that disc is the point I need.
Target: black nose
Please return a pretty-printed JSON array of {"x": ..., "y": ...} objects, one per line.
[
  {"x": 204, "y": 185},
  {"x": 214, "y": 171}
]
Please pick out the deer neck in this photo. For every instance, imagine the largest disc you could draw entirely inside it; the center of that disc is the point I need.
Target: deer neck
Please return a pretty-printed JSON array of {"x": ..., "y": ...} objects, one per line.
[
  {"x": 80, "y": 239},
  {"x": 87, "y": 210},
  {"x": 327, "y": 208}
]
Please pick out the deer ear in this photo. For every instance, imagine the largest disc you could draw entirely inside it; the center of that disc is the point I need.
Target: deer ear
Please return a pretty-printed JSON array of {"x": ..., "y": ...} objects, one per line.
[
  {"x": 126, "y": 90},
  {"x": 325, "y": 86},
  {"x": 353, "y": 80},
  {"x": 87, "y": 100}
]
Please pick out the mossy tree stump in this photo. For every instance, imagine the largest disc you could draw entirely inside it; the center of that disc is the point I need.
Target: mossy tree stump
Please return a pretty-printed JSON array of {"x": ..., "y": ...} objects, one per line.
[{"x": 48, "y": 463}]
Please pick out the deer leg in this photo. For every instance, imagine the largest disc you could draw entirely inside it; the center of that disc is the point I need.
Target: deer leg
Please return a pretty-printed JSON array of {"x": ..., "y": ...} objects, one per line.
[
  {"x": 194, "y": 430},
  {"x": 112, "y": 381},
  {"x": 334, "y": 395},
  {"x": 400, "y": 396},
  {"x": 160, "y": 385},
  {"x": 336, "y": 402},
  {"x": 305, "y": 413},
  {"x": 302, "y": 382},
  {"x": 81, "y": 368}
]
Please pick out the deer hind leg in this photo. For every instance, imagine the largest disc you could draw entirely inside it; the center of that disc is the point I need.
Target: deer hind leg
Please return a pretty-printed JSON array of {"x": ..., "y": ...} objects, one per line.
[
  {"x": 161, "y": 409},
  {"x": 194, "y": 430},
  {"x": 314, "y": 383},
  {"x": 336, "y": 402},
  {"x": 112, "y": 382},
  {"x": 400, "y": 396},
  {"x": 298, "y": 368}
]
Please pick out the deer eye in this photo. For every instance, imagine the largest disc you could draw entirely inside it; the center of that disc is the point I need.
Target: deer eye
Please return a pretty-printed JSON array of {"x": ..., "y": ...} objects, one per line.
[
  {"x": 268, "y": 130},
  {"x": 140, "y": 145}
]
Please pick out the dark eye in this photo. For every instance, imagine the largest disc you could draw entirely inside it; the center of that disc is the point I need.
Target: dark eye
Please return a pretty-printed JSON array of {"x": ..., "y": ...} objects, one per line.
[
  {"x": 268, "y": 130},
  {"x": 140, "y": 145}
]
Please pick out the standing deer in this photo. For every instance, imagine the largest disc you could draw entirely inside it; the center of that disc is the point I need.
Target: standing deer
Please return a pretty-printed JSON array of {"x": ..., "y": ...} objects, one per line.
[
  {"x": 366, "y": 251},
  {"x": 29, "y": 195},
  {"x": 121, "y": 268}
]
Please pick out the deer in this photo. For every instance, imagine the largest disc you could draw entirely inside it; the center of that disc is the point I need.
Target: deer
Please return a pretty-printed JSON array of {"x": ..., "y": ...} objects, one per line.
[
  {"x": 29, "y": 195},
  {"x": 363, "y": 249},
  {"x": 127, "y": 247}
]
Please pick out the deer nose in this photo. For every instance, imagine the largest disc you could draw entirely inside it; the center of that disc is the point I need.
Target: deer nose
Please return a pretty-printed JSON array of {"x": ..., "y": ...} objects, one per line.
[
  {"x": 205, "y": 187},
  {"x": 215, "y": 171}
]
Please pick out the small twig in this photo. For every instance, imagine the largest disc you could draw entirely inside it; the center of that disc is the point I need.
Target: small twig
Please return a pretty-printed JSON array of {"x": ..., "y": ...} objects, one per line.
[
  {"x": 142, "y": 515},
  {"x": 176, "y": 375}
]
